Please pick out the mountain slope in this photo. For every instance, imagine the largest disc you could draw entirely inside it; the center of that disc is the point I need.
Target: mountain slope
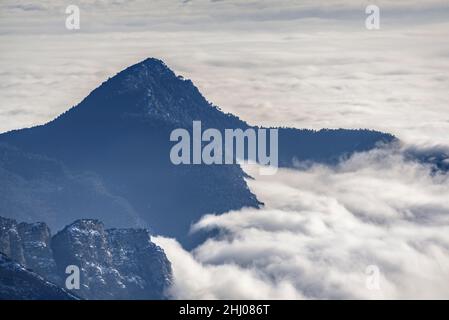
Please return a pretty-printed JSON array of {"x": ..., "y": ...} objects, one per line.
[
  {"x": 18, "y": 283},
  {"x": 37, "y": 188}
]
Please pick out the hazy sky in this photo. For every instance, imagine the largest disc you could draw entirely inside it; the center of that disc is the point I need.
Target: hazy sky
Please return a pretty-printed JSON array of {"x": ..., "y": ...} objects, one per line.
[{"x": 292, "y": 63}]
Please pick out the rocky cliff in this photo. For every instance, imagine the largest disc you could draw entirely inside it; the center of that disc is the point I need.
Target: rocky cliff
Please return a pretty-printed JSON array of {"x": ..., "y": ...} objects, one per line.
[{"x": 114, "y": 264}]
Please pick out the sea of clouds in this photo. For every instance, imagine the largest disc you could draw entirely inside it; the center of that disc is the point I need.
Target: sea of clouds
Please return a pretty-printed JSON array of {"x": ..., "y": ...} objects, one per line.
[
  {"x": 308, "y": 64},
  {"x": 324, "y": 232}
]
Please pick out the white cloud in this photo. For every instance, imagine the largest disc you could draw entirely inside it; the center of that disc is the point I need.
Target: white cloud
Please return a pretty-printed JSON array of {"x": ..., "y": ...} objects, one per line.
[
  {"x": 321, "y": 229},
  {"x": 195, "y": 280}
]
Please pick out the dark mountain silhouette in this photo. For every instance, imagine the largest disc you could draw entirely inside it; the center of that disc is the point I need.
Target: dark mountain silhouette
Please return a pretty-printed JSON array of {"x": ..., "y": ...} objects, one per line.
[{"x": 119, "y": 134}]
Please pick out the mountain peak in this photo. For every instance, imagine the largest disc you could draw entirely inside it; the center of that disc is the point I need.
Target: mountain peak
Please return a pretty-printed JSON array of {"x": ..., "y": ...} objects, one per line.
[
  {"x": 149, "y": 68},
  {"x": 153, "y": 62},
  {"x": 149, "y": 90}
]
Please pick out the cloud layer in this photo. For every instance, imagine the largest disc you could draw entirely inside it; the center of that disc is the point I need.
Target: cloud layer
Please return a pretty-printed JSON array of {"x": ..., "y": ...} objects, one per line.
[
  {"x": 323, "y": 231},
  {"x": 291, "y": 63}
]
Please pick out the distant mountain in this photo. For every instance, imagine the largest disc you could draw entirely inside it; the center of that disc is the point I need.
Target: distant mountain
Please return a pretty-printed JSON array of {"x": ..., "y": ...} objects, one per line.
[
  {"x": 108, "y": 157},
  {"x": 114, "y": 264},
  {"x": 18, "y": 283}
]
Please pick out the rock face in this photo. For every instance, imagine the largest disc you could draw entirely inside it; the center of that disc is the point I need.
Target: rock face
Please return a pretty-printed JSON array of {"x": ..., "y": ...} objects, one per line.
[
  {"x": 29, "y": 245},
  {"x": 18, "y": 283},
  {"x": 10, "y": 242},
  {"x": 114, "y": 264}
]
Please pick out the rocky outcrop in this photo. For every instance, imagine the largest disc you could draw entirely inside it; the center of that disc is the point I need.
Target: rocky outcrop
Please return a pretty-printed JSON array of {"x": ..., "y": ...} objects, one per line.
[
  {"x": 135, "y": 245},
  {"x": 113, "y": 264},
  {"x": 36, "y": 238},
  {"x": 29, "y": 245},
  {"x": 10, "y": 242}
]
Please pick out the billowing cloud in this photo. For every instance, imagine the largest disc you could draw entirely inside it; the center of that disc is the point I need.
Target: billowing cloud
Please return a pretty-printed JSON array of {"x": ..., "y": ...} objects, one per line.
[
  {"x": 325, "y": 233},
  {"x": 196, "y": 280}
]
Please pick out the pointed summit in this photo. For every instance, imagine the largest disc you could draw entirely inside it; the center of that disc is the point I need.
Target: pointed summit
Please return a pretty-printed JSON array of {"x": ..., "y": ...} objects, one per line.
[
  {"x": 152, "y": 62},
  {"x": 150, "y": 90},
  {"x": 144, "y": 73}
]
